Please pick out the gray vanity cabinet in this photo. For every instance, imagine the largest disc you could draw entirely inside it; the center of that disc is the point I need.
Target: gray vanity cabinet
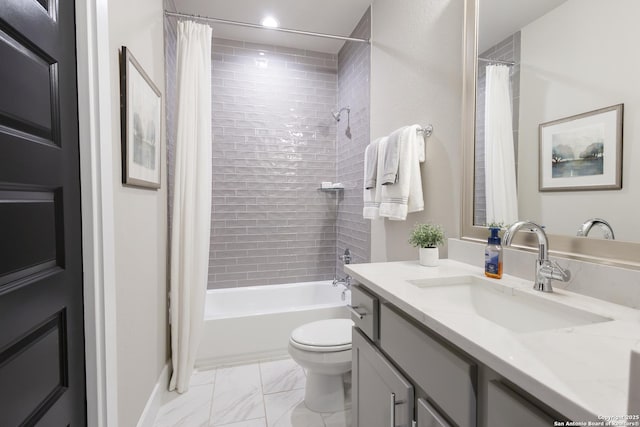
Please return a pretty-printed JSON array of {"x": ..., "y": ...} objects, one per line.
[
  {"x": 447, "y": 377},
  {"x": 428, "y": 416},
  {"x": 382, "y": 396},
  {"x": 364, "y": 312},
  {"x": 433, "y": 383},
  {"x": 505, "y": 408}
]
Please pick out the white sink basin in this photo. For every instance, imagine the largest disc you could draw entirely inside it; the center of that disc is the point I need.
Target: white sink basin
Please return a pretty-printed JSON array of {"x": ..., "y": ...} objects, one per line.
[{"x": 510, "y": 308}]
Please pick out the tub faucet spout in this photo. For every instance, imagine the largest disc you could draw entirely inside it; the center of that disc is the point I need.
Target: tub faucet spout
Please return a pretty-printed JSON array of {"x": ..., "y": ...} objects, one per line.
[
  {"x": 546, "y": 269},
  {"x": 346, "y": 282}
]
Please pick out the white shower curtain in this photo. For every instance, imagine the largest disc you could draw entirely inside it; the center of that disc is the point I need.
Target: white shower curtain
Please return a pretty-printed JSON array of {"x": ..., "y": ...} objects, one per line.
[
  {"x": 191, "y": 221},
  {"x": 499, "y": 159}
]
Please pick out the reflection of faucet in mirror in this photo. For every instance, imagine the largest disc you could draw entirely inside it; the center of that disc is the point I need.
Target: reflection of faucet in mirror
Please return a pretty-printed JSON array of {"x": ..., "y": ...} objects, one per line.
[
  {"x": 586, "y": 227},
  {"x": 545, "y": 268}
]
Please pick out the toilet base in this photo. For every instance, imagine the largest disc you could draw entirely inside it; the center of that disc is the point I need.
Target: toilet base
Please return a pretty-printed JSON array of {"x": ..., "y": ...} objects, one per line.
[{"x": 324, "y": 393}]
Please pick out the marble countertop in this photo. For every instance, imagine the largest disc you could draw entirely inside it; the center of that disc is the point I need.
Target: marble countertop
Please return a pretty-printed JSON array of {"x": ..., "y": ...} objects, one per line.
[{"x": 580, "y": 371}]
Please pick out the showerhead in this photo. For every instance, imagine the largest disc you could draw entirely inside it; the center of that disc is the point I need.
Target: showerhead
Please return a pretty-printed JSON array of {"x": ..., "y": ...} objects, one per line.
[{"x": 336, "y": 114}]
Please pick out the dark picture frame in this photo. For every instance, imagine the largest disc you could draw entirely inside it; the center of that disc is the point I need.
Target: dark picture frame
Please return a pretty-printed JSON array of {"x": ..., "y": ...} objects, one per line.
[
  {"x": 582, "y": 152},
  {"x": 141, "y": 124}
]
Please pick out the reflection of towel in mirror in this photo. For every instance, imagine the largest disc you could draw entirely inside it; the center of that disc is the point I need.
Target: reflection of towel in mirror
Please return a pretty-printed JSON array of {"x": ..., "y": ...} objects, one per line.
[
  {"x": 371, "y": 165},
  {"x": 372, "y": 195},
  {"x": 391, "y": 158},
  {"x": 405, "y": 196}
]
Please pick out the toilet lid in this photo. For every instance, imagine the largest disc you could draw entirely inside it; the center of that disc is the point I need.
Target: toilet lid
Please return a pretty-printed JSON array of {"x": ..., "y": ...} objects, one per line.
[{"x": 330, "y": 334}]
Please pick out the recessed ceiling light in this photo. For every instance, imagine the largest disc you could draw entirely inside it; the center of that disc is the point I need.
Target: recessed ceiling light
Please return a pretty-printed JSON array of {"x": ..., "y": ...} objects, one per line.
[{"x": 270, "y": 22}]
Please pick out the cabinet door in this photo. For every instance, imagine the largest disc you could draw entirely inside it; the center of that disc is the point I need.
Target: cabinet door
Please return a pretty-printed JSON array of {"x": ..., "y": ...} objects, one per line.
[
  {"x": 382, "y": 397},
  {"x": 428, "y": 416},
  {"x": 448, "y": 378},
  {"x": 508, "y": 409}
]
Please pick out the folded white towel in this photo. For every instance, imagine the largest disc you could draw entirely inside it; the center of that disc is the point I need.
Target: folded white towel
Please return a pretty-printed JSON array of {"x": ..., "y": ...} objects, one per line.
[
  {"x": 406, "y": 195},
  {"x": 373, "y": 195},
  {"x": 371, "y": 165},
  {"x": 391, "y": 159}
]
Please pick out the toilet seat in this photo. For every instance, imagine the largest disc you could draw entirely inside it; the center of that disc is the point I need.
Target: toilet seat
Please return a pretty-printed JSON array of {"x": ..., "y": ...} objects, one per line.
[{"x": 325, "y": 336}]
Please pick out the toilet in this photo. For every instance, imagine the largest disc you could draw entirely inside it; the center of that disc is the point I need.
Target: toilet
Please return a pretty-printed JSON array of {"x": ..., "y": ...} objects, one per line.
[{"x": 323, "y": 348}]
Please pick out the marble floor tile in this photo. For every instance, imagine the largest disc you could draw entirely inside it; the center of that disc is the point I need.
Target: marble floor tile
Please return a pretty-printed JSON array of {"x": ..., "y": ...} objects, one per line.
[
  {"x": 202, "y": 377},
  {"x": 337, "y": 419},
  {"x": 287, "y": 409},
  {"x": 190, "y": 409},
  {"x": 281, "y": 375},
  {"x": 237, "y": 395},
  {"x": 258, "y": 422}
]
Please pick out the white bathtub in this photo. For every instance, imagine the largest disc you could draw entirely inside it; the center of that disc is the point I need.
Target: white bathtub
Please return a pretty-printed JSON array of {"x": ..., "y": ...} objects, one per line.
[{"x": 254, "y": 323}]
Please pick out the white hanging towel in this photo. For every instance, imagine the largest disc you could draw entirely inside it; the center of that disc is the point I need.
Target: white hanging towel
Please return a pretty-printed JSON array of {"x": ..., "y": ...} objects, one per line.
[
  {"x": 405, "y": 196},
  {"x": 499, "y": 158},
  {"x": 371, "y": 165},
  {"x": 372, "y": 196},
  {"x": 391, "y": 158}
]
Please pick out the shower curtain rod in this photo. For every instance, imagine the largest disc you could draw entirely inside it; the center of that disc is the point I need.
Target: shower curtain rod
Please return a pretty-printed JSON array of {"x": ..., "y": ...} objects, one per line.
[
  {"x": 496, "y": 61},
  {"x": 249, "y": 25}
]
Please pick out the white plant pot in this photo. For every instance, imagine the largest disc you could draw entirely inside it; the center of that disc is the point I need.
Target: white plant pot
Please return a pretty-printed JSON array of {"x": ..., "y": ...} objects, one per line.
[{"x": 429, "y": 257}]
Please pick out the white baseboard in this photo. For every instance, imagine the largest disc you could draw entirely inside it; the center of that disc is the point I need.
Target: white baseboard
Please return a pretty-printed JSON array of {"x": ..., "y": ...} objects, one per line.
[
  {"x": 239, "y": 359},
  {"x": 148, "y": 417}
]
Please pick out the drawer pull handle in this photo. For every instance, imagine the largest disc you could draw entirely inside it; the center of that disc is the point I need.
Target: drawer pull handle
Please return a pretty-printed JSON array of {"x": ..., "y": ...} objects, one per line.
[
  {"x": 414, "y": 423},
  {"x": 393, "y": 410},
  {"x": 354, "y": 311}
]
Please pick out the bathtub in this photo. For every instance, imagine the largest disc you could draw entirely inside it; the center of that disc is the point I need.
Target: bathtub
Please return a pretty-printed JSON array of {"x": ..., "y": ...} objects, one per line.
[{"x": 254, "y": 323}]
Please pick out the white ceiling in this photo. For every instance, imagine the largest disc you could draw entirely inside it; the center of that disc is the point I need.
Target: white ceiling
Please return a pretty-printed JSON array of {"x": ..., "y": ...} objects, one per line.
[
  {"x": 498, "y": 19},
  {"x": 337, "y": 17}
]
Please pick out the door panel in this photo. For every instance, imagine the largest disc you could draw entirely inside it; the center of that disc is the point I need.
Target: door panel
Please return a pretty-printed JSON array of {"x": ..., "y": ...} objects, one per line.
[{"x": 42, "y": 379}]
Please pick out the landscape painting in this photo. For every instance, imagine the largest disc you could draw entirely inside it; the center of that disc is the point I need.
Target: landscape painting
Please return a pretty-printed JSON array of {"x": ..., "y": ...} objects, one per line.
[
  {"x": 578, "y": 152},
  {"x": 582, "y": 152},
  {"x": 141, "y": 125}
]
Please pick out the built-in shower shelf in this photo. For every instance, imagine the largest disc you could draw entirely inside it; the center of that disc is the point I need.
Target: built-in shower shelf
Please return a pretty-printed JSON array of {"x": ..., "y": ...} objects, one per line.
[{"x": 331, "y": 189}]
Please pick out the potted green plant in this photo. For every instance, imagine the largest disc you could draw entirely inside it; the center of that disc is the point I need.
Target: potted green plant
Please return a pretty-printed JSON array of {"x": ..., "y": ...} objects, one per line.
[{"x": 427, "y": 238}]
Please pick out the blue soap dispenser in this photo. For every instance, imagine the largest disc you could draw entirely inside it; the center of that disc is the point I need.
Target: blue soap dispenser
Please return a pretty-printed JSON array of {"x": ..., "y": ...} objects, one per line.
[{"x": 493, "y": 255}]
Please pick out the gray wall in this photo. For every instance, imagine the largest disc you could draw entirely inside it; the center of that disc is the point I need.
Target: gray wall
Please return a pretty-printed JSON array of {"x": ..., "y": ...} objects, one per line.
[
  {"x": 507, "y": 50},
  {"x": 354, "y": 69},
  {"x": 140, "y": 221},
  {"x": 416, "y": 77},
  {"x": 274, "y": 142}
]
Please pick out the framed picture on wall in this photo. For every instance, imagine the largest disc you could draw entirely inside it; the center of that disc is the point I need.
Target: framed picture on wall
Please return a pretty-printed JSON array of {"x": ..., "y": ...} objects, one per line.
[
  {"x": 582, "y": 152},
  {"x": 141, "y": 124}
]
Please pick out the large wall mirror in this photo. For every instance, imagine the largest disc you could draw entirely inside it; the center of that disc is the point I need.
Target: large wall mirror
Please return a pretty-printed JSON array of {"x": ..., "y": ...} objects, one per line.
[{"x": 529, "y": 63}]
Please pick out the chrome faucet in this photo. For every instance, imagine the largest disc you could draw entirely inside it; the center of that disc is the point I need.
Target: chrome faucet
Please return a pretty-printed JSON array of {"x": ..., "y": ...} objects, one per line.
[
  {"x": 586, "y": 227},
  {"x": 546, "y": 269}
]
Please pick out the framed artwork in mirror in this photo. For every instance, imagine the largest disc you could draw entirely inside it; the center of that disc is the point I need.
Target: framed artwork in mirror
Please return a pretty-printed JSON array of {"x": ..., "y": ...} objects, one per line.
[
  {"x": 141, "y": 124},
  {"x": 582, "y": 152}
]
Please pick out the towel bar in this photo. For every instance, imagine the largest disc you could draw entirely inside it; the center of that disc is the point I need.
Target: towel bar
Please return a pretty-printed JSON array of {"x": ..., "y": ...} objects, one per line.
[{"x": 426, "y": 131}]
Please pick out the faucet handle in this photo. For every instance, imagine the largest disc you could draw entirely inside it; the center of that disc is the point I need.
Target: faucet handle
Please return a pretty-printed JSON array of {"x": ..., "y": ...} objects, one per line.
[
  {"x": 552, "y": 270},
  {"x": 346, "y": 258}
]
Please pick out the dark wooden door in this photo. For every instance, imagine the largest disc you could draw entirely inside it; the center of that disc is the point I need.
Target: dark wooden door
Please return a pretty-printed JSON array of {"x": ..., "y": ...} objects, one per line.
[{"x": 42, "y": 380}]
